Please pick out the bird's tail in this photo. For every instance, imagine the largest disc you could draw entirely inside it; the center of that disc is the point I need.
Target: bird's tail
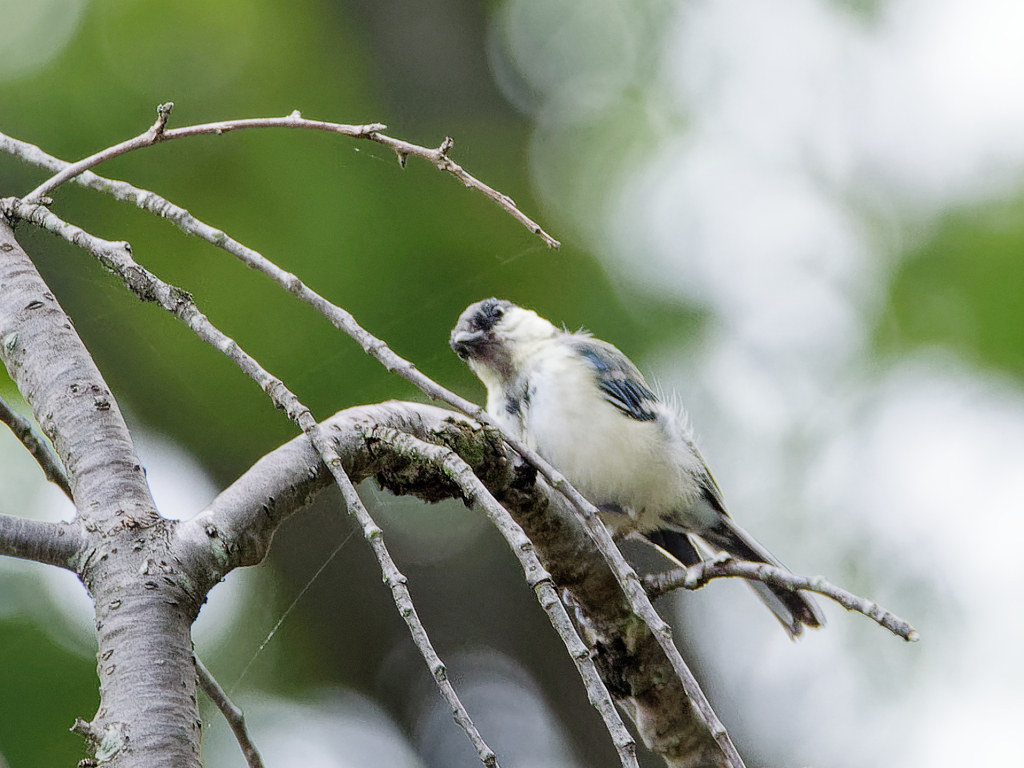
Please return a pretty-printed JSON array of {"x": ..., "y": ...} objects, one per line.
[{"x": 794, "y": 610}]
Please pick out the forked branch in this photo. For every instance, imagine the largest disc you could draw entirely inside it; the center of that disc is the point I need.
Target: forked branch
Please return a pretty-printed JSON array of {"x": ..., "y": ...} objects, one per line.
[{"x": 158, "y": 133}]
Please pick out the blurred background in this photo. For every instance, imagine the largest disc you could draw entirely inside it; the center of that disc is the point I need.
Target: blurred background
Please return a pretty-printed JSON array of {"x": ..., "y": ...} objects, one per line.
[{"x": 806, "y": 217}]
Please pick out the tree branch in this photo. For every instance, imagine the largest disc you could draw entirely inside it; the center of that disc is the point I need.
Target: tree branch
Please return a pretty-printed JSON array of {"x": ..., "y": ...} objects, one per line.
[
  {"x": 396, "y": 582},
  {"x": 150, "y": 137},
  {"x": 117, "y": 256},
  {"x": 234, "y": 716},
  {"x": 629, "y": 660},
  {"x": 378, "y": 349},
  {"x": 148, "y": 287},
  {"x": 57, "y": 544},
  {"x": 624, "y": 573},
  {"x": 67, "y": 394},
  {"x": 144, "y": 608},
  {"x": 625, "y": 576},
  {"x": 239, "y": 524},
  {"x": 187, "y": 223},
  {"x": 48, "y": 462},
  {"x": 536, "y": 575},
  {"x": 158, "y": 133},
  {"x": 697, "y": 576}
]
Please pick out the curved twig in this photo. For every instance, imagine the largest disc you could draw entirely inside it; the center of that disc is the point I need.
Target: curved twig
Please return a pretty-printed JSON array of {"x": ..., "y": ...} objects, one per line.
[
  {"x": 697, "y": 576},
  {"x": 158, "y": 133}
]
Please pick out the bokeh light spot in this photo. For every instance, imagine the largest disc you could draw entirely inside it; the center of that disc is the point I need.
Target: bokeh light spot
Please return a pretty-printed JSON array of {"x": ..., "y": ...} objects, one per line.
[{"x": 32, "y": 33}]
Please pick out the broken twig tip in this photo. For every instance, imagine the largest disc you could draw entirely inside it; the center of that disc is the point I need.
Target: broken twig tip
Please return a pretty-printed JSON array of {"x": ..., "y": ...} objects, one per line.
[{"x": 163, "y": 112}]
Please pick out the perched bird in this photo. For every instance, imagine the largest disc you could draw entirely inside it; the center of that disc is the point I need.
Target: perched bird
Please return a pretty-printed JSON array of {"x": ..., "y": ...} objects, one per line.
[{"x": 583, "y": 406}]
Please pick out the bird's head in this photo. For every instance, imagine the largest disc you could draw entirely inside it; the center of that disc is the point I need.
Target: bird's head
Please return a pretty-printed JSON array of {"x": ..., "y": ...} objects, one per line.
[{"x": 494, "y": 336}]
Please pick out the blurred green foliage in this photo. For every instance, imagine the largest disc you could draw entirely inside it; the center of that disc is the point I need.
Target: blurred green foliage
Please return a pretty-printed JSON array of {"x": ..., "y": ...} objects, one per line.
[
  {"x": 43, "y": 688},
  {"x": 962, "y": 289},
  {"x": 404, "y": 251}
]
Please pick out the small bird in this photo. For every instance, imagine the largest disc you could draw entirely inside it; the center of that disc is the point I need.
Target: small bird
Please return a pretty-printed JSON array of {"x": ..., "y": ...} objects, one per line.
[{"x": 584, "y": 407}]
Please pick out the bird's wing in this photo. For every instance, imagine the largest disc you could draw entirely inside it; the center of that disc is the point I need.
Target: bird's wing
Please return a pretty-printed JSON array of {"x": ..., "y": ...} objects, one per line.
[
  {"x": 710, "y": 491},
  {"x": 621, "y": 383}
]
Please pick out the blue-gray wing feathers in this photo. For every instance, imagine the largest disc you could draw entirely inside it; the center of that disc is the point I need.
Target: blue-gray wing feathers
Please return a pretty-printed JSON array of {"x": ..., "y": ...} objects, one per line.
[{"x": 620, "y": 381}]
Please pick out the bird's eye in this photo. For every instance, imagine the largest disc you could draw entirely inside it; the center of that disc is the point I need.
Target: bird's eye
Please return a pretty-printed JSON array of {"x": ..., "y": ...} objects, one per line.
[
  {"x": 493, "y": 314},
  {"x": 488, "y": 314}
]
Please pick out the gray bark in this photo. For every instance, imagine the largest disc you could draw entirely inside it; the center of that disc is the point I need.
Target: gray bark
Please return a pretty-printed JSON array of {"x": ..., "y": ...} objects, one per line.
[{"x": 144, "y": 606}]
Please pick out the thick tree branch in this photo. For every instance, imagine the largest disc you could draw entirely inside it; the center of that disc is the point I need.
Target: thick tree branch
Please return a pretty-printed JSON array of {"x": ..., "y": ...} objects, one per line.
[
  {"x": 246, "y": 514},
  {"x": 144, "y": 609},
  {"x": 48, "y": 462},
  {"x": 240, "y": 523},
  {"x": 697, "y": 576},
  {"x": 67, "y": 394},
  {"x": 51, "y": 543}
]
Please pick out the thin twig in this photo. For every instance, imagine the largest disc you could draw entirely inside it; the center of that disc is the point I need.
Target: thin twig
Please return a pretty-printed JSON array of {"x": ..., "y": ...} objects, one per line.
[
  {"x": 396, "y": 582},
  {"x": 537, "y": 577},
  {"x": 234, "y": 715},
  {"x": 439, "y": 157},
  {"x": 641, "y": 605},
  {"x": 117, "y": 257},
  {"x": 36, "y": 445},
  {"x": 152, "y": 135},
  {"x": 158, "y": 133},
  {"x": 696, "y": 576}
]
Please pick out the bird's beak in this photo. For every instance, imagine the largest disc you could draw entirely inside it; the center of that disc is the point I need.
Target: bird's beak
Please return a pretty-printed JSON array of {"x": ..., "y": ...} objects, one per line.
[{"x": 463, "y": 343}]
